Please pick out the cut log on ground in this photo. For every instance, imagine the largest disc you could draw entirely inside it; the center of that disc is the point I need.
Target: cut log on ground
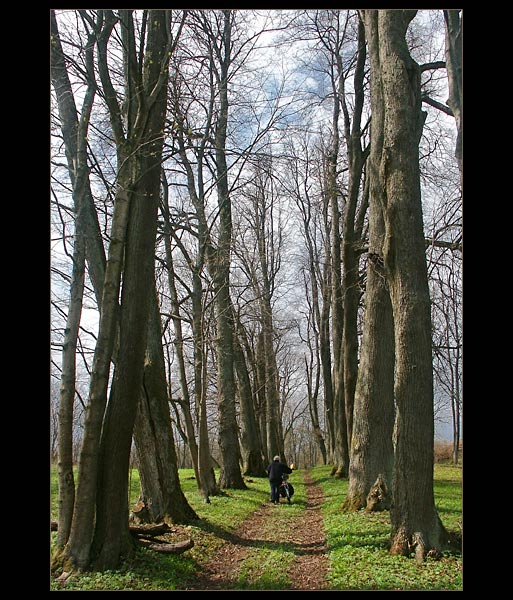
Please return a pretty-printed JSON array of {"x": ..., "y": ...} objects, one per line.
[
  {"x": 150, "y": 530},
  {"x": 166, "y": 547},
  {"x": 146, "y": 536}
]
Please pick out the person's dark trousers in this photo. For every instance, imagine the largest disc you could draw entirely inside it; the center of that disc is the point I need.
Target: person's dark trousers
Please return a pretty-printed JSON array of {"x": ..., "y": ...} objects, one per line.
[{"x": 275, "y": 492}]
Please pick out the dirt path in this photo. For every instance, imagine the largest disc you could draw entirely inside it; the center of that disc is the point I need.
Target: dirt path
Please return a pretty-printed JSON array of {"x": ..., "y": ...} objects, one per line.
[{"x": 303, "y": 534}]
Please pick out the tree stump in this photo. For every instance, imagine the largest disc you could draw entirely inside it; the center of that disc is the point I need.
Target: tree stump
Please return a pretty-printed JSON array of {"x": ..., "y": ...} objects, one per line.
[
  {"x": 140, "y": 512},
  {"x": 378, "y": 498}
]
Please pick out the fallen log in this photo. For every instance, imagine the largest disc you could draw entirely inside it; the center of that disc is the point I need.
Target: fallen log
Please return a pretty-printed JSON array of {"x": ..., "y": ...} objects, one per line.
[
  {"x": 146, "y": 536},
  {"x": 167, "y": 547},
  {"x": 151, "y": 530}
]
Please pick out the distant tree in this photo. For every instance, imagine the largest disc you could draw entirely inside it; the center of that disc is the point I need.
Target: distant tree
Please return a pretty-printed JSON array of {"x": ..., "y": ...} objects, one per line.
[
  {"x": 266, "y": 234},
  {"x": 448, "y": 343},
  {"x": 317, "y": 287},
  {"x": 252, "y": 453},
  {"x": 340, "y": 47}
]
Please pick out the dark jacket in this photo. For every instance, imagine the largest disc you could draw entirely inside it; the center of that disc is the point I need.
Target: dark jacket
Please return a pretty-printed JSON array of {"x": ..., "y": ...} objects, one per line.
[{"x": 275, "y": 471}]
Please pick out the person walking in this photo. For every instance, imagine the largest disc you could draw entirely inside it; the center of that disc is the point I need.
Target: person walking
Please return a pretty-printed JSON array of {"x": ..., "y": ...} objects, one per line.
[{"x": 275, "y": 472}]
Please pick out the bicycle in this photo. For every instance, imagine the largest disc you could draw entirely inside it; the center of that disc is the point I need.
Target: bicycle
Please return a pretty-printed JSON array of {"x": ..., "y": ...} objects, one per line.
[{"x": 286, "y": 488}]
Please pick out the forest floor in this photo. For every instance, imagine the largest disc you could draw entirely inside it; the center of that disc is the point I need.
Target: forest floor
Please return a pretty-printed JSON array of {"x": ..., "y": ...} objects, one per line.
[{"x": 267, "y": 527}]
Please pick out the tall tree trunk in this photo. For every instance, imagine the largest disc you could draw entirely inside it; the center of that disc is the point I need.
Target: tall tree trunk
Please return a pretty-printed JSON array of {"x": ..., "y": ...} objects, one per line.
[
  {"x": 81, "y": 534},
  {"x": 82, "y": 528},
  {"x": 185, "y": 402},
  {"x": 75, "y": 136},
  {"x": 275, "y": 442},
  {"x": 261, "y": 405},
  {"x": 415, "y": 522},
  {"x": 153, "y": 435},
  {"x": 325, "y": 353},
  {"x": 372, "y": 452},
  {"x": 230, "y": 476},
  {"x": 206, "y": 252},
  {"x": 90, "y": 229},
  {"x": 350, "y": 253},
  {"x": 251, "y": 451},
  {"x": 315, "y": 323},
  {"x": 111, "y": 537},
  {"x": 341, "y": 448},
  {"x": 205, "y": 465}
]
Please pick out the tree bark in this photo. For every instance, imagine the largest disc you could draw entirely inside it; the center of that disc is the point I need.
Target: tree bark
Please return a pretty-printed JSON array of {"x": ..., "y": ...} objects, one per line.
[
  {"x": 415, "y": 522},
  {"x": 111, "y": 536},
  {"x": 350, "y": 252},
  {"x": 253, "y": 463},
  {"x": 75, "y": 135},
  {"x": 230, "y": 476},
  {"x": 158, "y": 465},
  {"x": 372, "y": 452}
]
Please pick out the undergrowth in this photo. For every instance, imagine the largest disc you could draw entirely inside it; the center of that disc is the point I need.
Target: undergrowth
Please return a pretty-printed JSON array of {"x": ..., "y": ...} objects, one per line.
[{"x": 357, "y": 542}]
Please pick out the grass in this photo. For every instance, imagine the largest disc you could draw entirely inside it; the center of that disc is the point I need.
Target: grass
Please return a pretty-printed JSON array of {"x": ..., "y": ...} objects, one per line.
[{"x": 357, "y": 542}]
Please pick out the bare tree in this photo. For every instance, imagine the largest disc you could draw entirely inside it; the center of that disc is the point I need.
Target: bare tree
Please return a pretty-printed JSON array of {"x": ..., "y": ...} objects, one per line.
[
  {"x": 75, "y": 130},
  {"x": 448, "y": 344},
  {"x": 317, "y": 292},
  {"x": 372, "y": 452},
  {"x": 416, "y": 525},
  {"x": 134, "y": 164},
  {"x": 266, "y": 232}
]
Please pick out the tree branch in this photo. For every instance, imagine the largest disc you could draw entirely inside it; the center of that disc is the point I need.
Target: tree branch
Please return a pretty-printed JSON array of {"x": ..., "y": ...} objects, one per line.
[
  {"x": 439, "y": 64},
  {"x": 438, "y": 105},
  {"x": 443, "y": 244}
]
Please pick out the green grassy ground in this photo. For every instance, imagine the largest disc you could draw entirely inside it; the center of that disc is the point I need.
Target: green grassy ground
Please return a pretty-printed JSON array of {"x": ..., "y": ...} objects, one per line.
[{"x": 356, "y": 541}]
